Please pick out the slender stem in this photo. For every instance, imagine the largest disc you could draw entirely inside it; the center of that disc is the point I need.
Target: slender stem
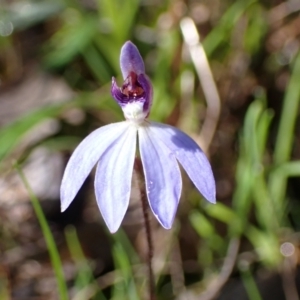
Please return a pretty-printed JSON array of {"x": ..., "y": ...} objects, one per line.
[
  {"x": 150, "y": 244},
  {"x": 145, "y": 207}
]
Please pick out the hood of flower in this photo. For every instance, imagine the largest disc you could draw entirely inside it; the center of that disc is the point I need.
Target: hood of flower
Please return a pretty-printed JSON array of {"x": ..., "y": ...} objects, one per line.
[
  {"x": 134, "y": 97},
  {"x": 135, "y": 94}
]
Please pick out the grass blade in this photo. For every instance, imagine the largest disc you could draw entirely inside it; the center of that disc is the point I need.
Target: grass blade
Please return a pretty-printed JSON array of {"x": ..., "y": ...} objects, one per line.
[{"x": 53, "y": 251}]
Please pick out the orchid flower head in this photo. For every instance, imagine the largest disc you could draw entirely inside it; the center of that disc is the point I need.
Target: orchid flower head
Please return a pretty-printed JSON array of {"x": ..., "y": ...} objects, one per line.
[
  {"x": 135, "y": 95},
  {"x": 113, "y": 149}
]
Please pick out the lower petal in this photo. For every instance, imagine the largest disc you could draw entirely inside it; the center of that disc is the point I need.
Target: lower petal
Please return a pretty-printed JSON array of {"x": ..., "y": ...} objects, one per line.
[
  {"x": 84, "y": 159},
  {"x": 113, "y": 179},
  {"x": 162, "y": 175},
  {"x": 190, "y": 156}
]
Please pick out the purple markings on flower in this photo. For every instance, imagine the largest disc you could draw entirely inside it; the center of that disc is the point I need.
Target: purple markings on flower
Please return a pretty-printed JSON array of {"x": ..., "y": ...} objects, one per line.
[
  {"x": 135, "y": 94},
  {"x": 135, "y": 88},
  {"x": 113, "y": 147}
]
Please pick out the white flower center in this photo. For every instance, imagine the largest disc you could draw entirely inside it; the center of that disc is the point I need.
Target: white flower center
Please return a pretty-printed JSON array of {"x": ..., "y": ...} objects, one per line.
[{"x": 134, "y": 112}]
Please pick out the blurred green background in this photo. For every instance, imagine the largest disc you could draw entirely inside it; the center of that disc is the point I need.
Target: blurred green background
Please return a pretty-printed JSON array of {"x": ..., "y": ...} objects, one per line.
[{"x": 226, "y": 72}]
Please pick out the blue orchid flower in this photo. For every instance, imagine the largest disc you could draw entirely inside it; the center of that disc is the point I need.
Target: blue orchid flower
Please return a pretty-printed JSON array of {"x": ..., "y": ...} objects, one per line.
[{"x": 113, "y": 149}]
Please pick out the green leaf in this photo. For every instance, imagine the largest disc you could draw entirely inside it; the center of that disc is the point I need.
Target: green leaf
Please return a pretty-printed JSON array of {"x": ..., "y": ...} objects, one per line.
[
  {"x": 13, "y": 133},
  {"x": 52, "y": 248},
  {"x": 70, "y": 40}
]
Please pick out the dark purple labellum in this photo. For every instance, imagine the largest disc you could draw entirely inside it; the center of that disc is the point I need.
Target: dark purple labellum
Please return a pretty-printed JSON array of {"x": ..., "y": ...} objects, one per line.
[
  {"x": 135, "y": 88},
  {"x": 131, "y": 87}
]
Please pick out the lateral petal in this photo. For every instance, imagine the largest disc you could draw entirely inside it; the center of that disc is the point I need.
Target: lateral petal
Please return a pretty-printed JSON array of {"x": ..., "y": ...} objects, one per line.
[
  {"x": 85, "y": 157},
  {"x": 113, "y": 178},
  {"x": 162, "y": 175},
  {"x": 190, "y": 156}
]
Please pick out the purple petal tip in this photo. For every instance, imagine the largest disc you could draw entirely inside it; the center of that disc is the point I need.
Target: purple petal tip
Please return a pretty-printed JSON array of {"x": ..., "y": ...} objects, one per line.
[{"x": 131, "y": 60}]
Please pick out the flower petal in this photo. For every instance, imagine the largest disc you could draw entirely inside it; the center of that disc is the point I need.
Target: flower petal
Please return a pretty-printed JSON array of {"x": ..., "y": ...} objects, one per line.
[
  {"x": 85, "y": 157},
  {"x": 190, "y": 156},
  {"x": 131, "y": 60},
  {"x": 145, "y": 82},
  {"x": 113, "y": 179},
  {"x": 162, "y": 174}
]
